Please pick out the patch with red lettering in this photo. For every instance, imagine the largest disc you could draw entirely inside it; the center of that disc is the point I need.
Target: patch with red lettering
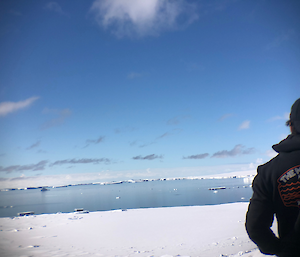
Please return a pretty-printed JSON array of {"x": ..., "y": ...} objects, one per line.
[{"x": 289, "y": 187}]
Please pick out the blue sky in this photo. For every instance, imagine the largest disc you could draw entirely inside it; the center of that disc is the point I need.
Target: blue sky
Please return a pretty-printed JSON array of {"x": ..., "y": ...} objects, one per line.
[{"x": 109, "y": 89}]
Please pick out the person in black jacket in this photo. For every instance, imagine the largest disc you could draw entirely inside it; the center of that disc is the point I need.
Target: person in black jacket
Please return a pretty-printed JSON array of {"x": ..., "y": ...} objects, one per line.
[{"x": 276, "y": 190}]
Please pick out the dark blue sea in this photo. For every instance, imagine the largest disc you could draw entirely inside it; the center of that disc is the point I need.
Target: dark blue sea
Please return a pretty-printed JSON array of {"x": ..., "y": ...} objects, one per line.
[{"x": 125, "y": 195}]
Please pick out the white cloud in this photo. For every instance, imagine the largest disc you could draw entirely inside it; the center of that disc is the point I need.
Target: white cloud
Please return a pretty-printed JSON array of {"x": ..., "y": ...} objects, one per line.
[
  {"x": 177, "y": 119},
  {"x": 55, "y": 7},
  {"x": 94, "y": 141},
  {"x": 226, "y": 116},
  {"x": 237, "y": 150},
  {"x": 194, "y": 67},
  {"x": 15, "y": 13},
  {"x": 259, "y": 160},
  {"x": 148, "y": 157},
  {"x": 245, "y": 125},
  {"x": 31, "y": 167},
  {"x": 281, "y": 39},
  {"x": 61, "y": 116},
  {"x": 8, "y": 107},
  {"x": 254, "y": 165},
  {"x": 81, "y": 161},
  {"x": 44, "y": 163},
  {"x": 134, "y": 75},
  {"x": 197, "y": 156},
  {"x": 285, "y": 116},
  {"x": 271, "y": 153},
  {"x": 34, "y": 145},
  {"x": 141, "y": 18}
]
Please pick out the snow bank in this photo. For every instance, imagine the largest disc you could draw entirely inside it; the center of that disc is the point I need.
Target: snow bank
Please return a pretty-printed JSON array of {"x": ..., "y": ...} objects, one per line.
[{"x": 215, "y": 230}]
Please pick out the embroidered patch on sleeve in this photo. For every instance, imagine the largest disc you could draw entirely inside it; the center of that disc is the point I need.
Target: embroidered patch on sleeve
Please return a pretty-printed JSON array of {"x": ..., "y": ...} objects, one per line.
[{"x": 289, "y": 187}]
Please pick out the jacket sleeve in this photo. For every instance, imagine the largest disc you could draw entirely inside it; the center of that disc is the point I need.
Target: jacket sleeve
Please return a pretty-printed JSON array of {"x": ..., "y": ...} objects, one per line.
[{"x": 260, "y": 217}]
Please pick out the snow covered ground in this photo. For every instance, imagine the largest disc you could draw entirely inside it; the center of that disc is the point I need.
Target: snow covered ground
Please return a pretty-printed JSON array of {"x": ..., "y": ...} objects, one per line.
[{"x": 214, "y": 230}]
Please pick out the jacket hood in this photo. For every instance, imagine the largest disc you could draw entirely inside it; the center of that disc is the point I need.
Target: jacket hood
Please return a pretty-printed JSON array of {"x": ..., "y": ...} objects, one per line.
[
  {"x": 295, "y": 115},
  {"x": 290, "y": 144}
]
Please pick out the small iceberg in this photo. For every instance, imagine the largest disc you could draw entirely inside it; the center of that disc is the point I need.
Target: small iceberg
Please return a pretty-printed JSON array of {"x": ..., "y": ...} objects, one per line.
[
  {"x": 81, "y": 210},
  {"x": 217, "y": 188},
  {"x": 25, "y": 213}
]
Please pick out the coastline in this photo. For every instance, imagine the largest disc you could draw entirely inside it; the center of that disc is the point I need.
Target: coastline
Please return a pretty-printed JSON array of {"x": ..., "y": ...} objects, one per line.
[{"x": 212, "y": 230}]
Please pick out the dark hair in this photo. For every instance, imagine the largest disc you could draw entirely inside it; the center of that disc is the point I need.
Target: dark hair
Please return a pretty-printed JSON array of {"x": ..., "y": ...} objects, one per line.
[
  {"x": 293, "y": 130},
  {"x": 289, "y": 123}
]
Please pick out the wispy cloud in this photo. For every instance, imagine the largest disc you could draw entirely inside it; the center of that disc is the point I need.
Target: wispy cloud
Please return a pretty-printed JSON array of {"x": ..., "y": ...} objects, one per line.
[
  {"x": 34, "y": 145},
  {"x": 41, "y": 151},
  {"x": 55, "y": 7},
  {"x": 194, "y": 67},
  {"x": 146, "y": 144},
  {"x": 142, "y": 144},
  {"x": 164, "y": 135},
  {"x": 94, "y": 141},
  {"x": 271, "y": 153},
  {"x": 143, "y": 18},
  {"x": 225, "y": 116},
  {"x": 81, "y": 161},
  {"x": 216, "y": 6},
  {"x": 244, "y": 125},
  {"x": 285, "y": 116},
  {"x": 177, "y": 119},
  {"x": 133, "y": 143},
  {"x": 43, "y": 164},
  {"x": 237, "y": 150},
  {"x": 281, "y": 39},
  {"x": 174, "y": 121},
  {"x": 19, "y": 168},
  {"x": 124, "y": 130},
  {"x": 15, "y": 13},
  {"x": 134, "y": 75},
  {"x": 61, "y": 116},
  {"x": 9, "y": 107},
  {"x": 147, "y": 157},
  {"x": 197, "y": 156}
]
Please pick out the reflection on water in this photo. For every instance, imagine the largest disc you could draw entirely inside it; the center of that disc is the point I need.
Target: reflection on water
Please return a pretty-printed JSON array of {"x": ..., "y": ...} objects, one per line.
[{"x": 165, "y": 193}]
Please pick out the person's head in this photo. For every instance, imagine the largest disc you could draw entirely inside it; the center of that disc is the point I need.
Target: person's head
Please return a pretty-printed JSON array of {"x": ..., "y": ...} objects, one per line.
[{"x": 294, "y": 121}]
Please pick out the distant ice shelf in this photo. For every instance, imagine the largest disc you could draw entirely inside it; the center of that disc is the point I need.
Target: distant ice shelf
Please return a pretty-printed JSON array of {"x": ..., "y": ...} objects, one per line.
[{"x": 247, "y": 179}]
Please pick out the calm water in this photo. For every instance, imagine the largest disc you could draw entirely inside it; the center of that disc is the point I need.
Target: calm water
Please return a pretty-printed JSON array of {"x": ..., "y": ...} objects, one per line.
[{"x": 125, "y": 196}]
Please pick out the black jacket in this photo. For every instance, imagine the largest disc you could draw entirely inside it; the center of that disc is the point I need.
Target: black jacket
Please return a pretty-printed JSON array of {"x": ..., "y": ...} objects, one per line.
[{"x": 276, "y": 190}]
